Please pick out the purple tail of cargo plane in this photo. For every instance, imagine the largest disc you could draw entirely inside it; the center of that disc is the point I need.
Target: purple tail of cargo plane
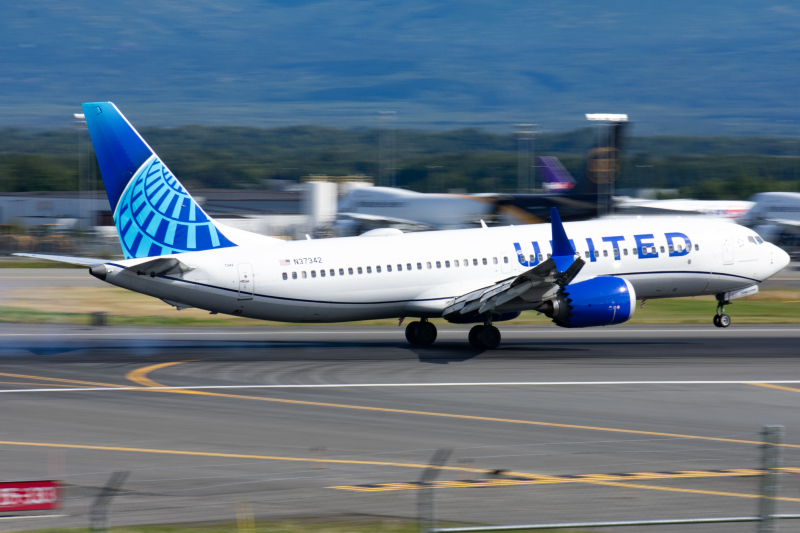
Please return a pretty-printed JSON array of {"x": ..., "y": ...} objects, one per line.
[{"x": 555, "y": 178}]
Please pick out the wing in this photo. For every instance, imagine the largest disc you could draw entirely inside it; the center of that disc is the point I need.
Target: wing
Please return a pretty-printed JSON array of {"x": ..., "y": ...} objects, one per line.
[
  {"x": 85, "y": 261},
  {"x": 544, "y": 281}
]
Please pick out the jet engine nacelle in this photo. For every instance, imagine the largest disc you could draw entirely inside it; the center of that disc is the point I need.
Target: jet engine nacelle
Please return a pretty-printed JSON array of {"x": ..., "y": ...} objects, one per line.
[{"x": 601, "y": 301}]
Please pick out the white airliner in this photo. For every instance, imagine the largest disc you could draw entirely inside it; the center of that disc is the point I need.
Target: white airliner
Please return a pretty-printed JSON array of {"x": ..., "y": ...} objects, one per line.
[{"x": 580, "y": 274}]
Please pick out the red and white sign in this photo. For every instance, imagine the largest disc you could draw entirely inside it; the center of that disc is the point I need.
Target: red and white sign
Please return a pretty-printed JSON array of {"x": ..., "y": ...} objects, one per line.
[{"x": 30, "y": 495}]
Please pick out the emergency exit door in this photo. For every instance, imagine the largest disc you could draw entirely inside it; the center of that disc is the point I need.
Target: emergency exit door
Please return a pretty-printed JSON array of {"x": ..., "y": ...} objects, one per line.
[
  {"x": 246, "y": 281},
  {"x": 727, "y": 249}
]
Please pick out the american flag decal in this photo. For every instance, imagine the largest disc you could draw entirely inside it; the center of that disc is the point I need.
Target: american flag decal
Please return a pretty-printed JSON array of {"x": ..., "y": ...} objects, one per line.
[{"x": 284, "y": 262}]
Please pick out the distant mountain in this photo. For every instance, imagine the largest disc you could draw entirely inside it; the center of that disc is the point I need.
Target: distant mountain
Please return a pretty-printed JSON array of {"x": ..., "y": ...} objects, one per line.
[{"x": 701, "y": 68}]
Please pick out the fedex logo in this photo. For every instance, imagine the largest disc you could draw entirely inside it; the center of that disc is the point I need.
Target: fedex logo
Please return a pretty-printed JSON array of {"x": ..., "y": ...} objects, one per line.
[{"x": 678, "y": 245}]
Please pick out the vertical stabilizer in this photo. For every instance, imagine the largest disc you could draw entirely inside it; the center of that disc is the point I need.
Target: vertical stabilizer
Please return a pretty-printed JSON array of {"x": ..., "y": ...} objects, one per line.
[{"x": 153, "y": 213}]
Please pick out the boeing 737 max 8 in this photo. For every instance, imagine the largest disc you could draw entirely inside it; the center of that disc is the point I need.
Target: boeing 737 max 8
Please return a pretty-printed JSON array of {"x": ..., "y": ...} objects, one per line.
[{"x": 580, "y": 274}]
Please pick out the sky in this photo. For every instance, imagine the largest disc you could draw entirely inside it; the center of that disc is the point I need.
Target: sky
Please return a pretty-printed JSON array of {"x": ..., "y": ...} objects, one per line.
[{"x": 681, "y": 67}]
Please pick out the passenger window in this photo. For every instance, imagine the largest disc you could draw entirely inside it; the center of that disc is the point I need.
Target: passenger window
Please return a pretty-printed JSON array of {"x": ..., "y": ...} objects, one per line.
[
  {"x": 294, "y": 275},
  {"x": 616, "y": 253},
  {"x": 671, "y": 248},
  {"x": 369, "y": 270},
  {"x": 419, "y": 266},
  {"x": 447, "y": 264},
  {"x": 494, "y": 260},
  {"x": 438, "y": 264},
  {"x": 635, "y": 251},
  {"x": 341, "y": 272},
  {"x": 505, "y": 259},
  {"x": 587, "y": 255},
  {"x": 662, "y": 249},
  {"x": 697, "y": 247},
  {"x": 389, "y": 268},
  {"x": 378, "y": 269},
  {"x": 358, "y": 269},
  {"x": 541, "y": 257},
  {"x": 400, "y": 267},
  {"x": 313, "y": 273},
  {"x": 429, "y": 265},
  {"x": 597, "y": 253},
  {"x": 333, "y": 272},
  {"x": 408, "y": 266},
  {"x": 605, "y": 253},
  {"x": 625, "y": 251},
  {"x": 485, "y": 262},
  {"x": 548, "y": 256},
  {"x": 680, "y": 247},
  {"x": 303, "y": 273},
  {"x": 322, "y": 273},
  {"x": 285, "y": 276},
  {"x": 466, "y": 262},
  {"x": 474, "y": 262},
  {"x": 455, "y": 262},
  {"x": 350, "y": 270}
]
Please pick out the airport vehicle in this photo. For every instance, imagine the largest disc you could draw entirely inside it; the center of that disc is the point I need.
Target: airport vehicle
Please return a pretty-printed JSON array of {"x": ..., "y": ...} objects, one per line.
[{"x": 580, "y": 274}]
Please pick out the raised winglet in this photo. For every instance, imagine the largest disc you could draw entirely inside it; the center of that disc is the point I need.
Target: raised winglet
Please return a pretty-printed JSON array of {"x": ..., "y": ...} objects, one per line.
[{"x": 563, "y": 252}]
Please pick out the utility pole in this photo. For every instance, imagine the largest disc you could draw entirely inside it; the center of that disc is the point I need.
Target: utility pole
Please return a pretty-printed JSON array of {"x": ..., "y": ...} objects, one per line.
[
  {"x": 387, "y": 149},
  {"x": 524, "y": 133}
]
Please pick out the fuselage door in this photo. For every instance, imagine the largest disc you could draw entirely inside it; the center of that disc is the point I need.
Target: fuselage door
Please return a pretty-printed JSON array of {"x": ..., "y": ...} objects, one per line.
[
  {"x": 246, "y": 281},
  {"x": 727, "y": 248}
]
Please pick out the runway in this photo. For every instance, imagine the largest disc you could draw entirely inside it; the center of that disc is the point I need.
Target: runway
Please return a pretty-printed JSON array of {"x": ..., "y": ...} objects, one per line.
[{"x": 557, "y": 425}]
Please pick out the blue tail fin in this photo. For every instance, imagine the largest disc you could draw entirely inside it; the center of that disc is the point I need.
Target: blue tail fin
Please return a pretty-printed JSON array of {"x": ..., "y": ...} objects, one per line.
[
  {"x": 153, "y": 213},
  {"x": 563, "y": 251}
]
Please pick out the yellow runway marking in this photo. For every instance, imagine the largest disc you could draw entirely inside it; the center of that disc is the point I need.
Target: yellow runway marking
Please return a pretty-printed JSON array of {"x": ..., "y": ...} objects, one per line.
[
  {"x": 771, "y": 386},
  {"x": 142, "y": 379},
  {"x": 365, "y": 463},
  {"x": 140, "y": 374},
  {"x": 36, "y": 384},
  {"x": 61, "y": 380}
]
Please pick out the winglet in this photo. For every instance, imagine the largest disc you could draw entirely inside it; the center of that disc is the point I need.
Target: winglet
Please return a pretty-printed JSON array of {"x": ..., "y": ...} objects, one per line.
[
  {"x": 561, "y": 244},
  {"x": 563, "y": 252}
]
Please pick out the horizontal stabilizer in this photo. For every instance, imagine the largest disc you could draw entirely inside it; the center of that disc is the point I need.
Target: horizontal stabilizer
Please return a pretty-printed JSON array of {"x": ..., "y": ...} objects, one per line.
[
  {"x": 85, "y": 261},
  {"x": 163, "y": 266}
]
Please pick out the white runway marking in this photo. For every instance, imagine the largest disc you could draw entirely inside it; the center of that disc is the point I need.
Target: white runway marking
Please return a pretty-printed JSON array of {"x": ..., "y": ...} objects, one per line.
[{"x": 412, "y": 385}]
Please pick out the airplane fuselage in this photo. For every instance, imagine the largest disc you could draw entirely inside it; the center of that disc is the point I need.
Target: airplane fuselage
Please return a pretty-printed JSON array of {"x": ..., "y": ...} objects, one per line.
[{"x": 417, "y": 274}]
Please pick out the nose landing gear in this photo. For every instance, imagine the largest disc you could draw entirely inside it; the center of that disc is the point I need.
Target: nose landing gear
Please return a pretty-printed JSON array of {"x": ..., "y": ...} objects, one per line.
[
  {"x": 721, "y": 320},
  {"x": 421, "y": 333}
]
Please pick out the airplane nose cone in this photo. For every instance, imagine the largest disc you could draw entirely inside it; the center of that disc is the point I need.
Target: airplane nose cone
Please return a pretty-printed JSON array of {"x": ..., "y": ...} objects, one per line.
[{"x": 782, "y": 259}]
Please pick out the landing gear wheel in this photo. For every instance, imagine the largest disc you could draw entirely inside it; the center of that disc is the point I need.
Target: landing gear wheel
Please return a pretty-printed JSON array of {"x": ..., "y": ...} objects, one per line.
[
  {"x": 411, "y": 332},
  {"x": 724, "y": 321},
  {"x": 474, "y": 337},
  {"x": 425, "y": 334},
  {"x": 716, "y": 320},
  {"x": 490, "y": 337}
]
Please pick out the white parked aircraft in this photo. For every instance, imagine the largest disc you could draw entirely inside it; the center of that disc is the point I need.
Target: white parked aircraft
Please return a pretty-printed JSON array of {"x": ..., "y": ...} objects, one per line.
[
  {"x": 776, "y": 217},
  {"x": 580, "y": 274}
]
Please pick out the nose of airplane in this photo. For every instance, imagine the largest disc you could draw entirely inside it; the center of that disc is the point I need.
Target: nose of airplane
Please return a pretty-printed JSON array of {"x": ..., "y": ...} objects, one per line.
[{"x": 780, "y": 259}]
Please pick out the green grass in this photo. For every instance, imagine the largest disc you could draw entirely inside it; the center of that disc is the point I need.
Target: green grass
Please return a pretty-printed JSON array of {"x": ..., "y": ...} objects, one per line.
[{"x": 677, "y": 311}]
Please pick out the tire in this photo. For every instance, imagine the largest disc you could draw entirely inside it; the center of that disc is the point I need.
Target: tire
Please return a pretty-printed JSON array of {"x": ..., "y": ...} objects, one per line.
[
  {"x": 716, "y": 321},
  {"x": 425, "y": 334},
  {"x": 411, "y": 332},
  {"x": 724, "y": 321},
  {"x": 474, "y": 337},
  {"x": 490, "y": 337}
]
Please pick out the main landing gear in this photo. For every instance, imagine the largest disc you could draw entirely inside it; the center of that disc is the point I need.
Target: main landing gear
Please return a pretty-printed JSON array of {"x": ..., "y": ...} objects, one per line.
[
  {"x": 421, "y": 333},
  {"x": 485, "y": 337},
  {"x": 721, "y": 320}
]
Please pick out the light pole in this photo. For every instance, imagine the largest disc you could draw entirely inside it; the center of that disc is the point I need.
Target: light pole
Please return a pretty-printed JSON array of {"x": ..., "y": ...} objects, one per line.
[
  {"x": 605, "y": 163},
  {"x": 524, "y": 133}
]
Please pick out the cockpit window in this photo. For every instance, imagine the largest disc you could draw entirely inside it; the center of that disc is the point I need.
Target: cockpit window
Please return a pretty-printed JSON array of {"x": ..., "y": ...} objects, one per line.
[
  {"x": 751, "y": 239},
  {"x": 760, "y": 240}
]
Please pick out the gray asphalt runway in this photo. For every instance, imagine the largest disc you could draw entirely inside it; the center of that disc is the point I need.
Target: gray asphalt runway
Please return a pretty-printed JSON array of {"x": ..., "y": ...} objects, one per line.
[{"x": 279, "y": 417}]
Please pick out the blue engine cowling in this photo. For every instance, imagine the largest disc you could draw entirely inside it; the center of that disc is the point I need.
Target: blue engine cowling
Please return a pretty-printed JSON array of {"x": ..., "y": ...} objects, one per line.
[{"x": 600, "y": 301}]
